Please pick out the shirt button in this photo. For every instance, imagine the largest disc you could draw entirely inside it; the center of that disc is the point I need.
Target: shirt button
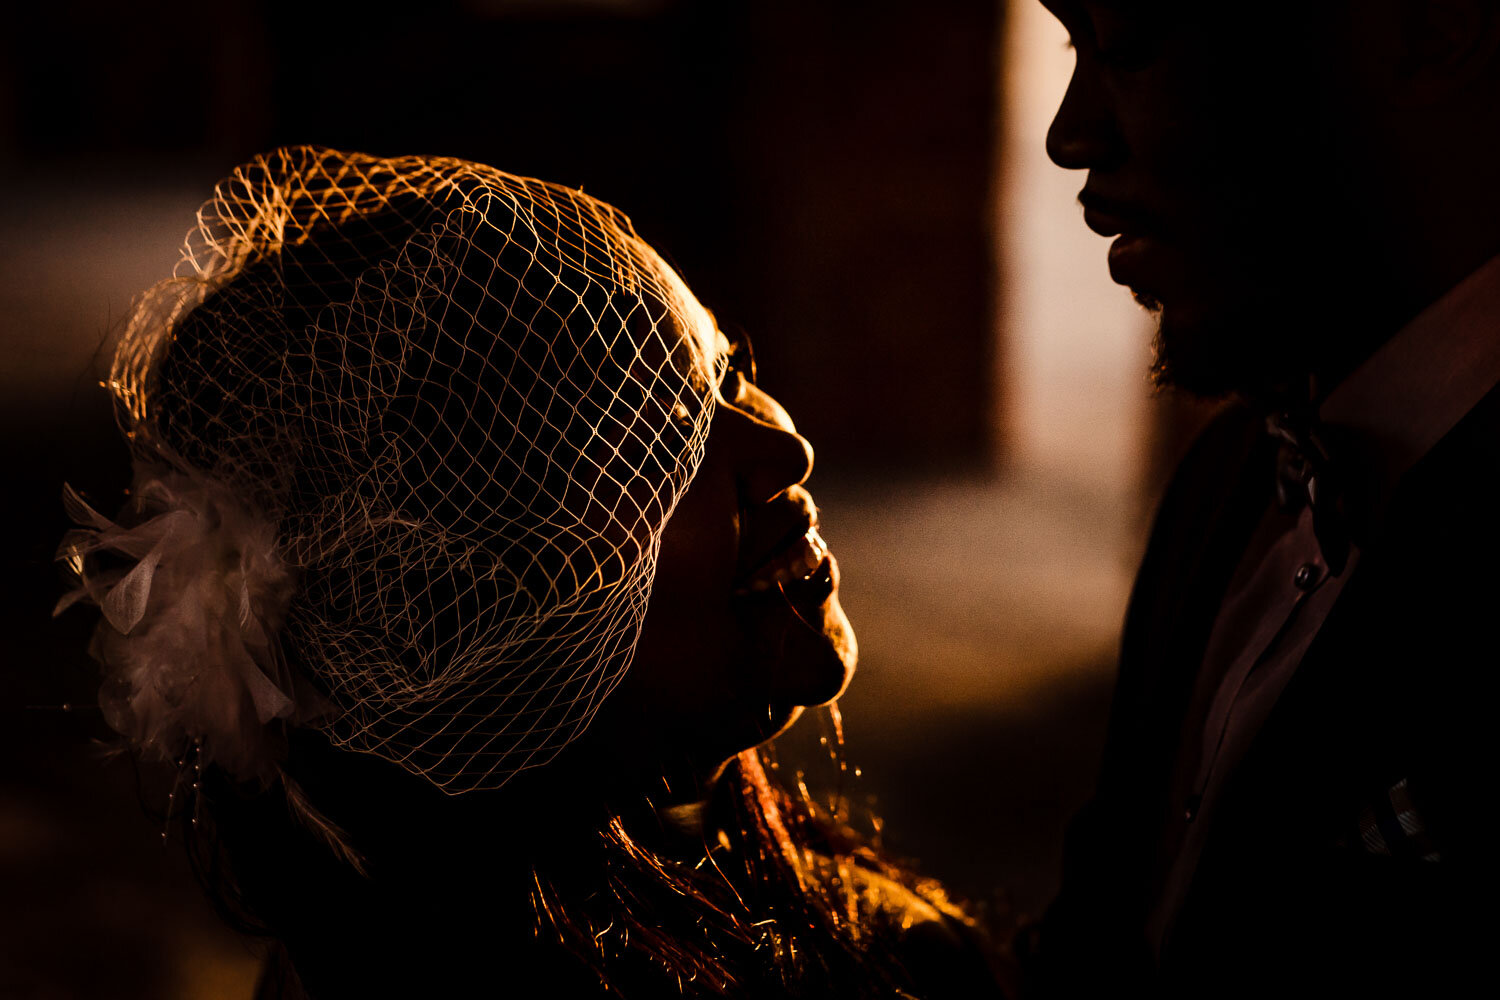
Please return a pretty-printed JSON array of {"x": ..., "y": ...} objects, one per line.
[
  {"x": 1190, "y": 813},
  {"x": 1307, "y": 576}
]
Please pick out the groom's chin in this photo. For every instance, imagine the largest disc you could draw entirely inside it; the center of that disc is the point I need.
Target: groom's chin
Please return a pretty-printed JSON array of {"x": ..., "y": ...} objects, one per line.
[
  {"x": 1194, "y": 350},
  {"x": 1213, "y": 352},
  {"x": 1188, "y": 358}
]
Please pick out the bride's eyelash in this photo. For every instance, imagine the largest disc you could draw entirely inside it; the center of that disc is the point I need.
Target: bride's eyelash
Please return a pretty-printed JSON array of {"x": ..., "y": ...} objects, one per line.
[{"x": 733, "y": 386}]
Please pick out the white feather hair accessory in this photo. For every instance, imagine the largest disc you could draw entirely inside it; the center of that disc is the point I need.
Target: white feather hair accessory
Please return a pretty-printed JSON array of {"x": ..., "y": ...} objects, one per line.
[{"x": 191, "y": 610}]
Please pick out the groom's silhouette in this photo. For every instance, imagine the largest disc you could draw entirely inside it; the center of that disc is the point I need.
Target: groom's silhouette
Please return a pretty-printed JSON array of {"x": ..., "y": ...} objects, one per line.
[{"x": 1299, "y": 765}]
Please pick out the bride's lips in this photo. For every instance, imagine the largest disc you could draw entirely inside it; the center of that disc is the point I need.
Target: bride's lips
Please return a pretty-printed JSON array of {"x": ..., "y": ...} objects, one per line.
[
  {"x": 789, "y": 607},
  {"x": 794, "y": 562},
  {"x": 807, "y": 595}
]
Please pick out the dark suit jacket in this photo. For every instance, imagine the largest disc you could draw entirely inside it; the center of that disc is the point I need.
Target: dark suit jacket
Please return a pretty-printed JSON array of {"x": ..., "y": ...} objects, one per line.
[{"x": 1287, "y": 898}]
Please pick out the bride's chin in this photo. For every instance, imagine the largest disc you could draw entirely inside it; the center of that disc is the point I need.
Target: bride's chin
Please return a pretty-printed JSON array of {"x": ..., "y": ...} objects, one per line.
[
  {"x": 817, "y": 658},
  {"x": 800, "y": 641},
  {"x": 808, "y": 674}
]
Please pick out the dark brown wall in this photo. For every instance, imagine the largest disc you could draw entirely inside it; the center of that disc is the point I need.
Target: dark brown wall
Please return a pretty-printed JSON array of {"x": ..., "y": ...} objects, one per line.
[
  {"x": 869, "y": 147},
  {"x": 818, "y": 171}
]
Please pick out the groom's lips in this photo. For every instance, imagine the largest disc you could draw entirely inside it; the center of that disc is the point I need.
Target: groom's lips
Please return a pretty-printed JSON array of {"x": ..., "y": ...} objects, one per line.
[
  {"x": 1111, "y": 216},
  {"x": 1136, "y": 256}
]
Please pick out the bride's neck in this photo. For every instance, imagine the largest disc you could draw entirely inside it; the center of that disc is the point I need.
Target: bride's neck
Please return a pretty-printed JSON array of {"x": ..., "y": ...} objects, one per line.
[{"x": 655, "y": 798}]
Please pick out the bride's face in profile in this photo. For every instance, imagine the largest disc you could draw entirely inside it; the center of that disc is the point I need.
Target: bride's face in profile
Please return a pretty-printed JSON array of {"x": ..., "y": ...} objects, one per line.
[{"x": 744, "y": 627}]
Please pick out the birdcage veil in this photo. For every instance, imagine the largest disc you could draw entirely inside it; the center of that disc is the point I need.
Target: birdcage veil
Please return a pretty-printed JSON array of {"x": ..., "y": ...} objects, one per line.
[{"x": 467, "y": 402}]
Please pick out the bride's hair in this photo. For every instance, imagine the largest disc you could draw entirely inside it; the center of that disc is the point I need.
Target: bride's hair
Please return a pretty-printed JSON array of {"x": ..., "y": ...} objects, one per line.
[{"x": 782, "y": 897}]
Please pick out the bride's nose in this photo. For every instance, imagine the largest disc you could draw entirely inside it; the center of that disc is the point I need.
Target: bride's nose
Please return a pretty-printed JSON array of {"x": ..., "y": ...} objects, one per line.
[{"x": 768, "y": 454}]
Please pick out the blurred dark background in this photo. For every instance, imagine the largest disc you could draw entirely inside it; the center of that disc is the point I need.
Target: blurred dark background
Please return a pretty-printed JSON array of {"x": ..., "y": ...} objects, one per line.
[
  {"x": 767, "y": 147},
  {"x": 857, "y": 186}
]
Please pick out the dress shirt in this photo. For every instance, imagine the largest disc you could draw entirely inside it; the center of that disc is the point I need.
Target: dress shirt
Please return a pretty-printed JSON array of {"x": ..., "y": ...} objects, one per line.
[{"x": 1383, "y": 418}]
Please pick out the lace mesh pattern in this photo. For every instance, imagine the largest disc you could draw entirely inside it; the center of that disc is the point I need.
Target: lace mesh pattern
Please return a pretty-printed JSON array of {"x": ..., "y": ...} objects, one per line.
[{"x": 469, "y": 401}]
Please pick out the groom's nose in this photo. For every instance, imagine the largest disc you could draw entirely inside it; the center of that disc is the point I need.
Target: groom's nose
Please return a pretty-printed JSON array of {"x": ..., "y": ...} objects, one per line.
[{"x": 1084, "y": 134}]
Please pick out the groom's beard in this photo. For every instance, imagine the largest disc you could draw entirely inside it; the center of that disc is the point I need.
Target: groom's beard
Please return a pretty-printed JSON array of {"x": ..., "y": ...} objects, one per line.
[
  {"x": 1232, "y": 353},
  {"x": 1213, "y": 358},
  {"x": 1266, "y": 343}
]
